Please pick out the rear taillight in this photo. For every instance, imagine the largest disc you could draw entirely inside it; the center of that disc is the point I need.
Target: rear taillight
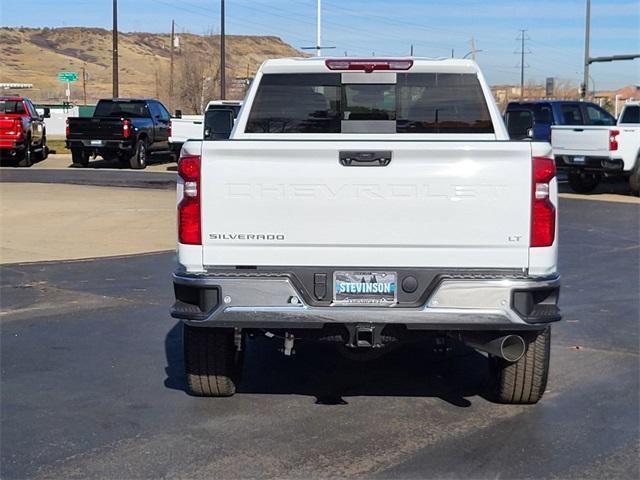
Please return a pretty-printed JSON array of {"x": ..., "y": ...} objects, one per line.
[
  {"x": 67, "y": 130},
  {"x": 613, "y": 141},
  {"x": 17, "y": 127},
  {"x": 126, "y": 128},
  {"x": 543, "y": 212},
  {"x": 368, "y": 65},
  {"x": 170, "y": 129},
  {"x": 189, "y": 231}
]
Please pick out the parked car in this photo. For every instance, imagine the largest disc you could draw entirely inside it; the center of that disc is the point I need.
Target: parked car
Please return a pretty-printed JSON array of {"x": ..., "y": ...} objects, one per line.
[
  {"x": 130, "y": 130},
  {"x": 534, "y": 119},
  {"x": 368, "y": 203},
  {"x": 589, "y": 152},
  {"x": 23, "y": 135},
  {"x": 193, "y": 127}
]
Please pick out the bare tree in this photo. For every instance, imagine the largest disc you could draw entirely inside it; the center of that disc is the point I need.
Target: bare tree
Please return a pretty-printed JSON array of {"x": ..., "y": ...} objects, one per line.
[
  {"x": 197, "y": 79},
  {"x": 566, "y": 89}
]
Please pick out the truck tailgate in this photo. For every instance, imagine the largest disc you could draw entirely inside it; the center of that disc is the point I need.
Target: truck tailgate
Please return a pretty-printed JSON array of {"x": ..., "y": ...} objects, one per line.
[
  {"x": 580, "y": 140},
  {"x": 95, "y": 128},
  {"x": 187, "y": 127},
  {"x": 441, "y": 204},
  {"x": 9, "y": 126}
]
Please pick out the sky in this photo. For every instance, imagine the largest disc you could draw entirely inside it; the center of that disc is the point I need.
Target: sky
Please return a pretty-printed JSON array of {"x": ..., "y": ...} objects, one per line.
[{"x": 555, "y": 29}]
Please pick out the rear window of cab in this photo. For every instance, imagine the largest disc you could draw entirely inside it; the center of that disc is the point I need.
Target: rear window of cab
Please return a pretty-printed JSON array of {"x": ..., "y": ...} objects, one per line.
[
  {"x": 415, "y": 103},
  {"x": 11, "y": 106}
]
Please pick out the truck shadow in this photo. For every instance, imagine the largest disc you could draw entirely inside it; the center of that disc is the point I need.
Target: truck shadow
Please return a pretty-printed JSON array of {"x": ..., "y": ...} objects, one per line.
[
  {"x": 614, "y": 185},
  {"x": 116, "y": 164},
  {"x": 318, "y": 370}
]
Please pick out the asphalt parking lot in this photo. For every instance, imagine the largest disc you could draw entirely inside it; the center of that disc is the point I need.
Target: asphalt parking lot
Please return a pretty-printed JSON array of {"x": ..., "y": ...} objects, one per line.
[{"x": 93, "y": 385}]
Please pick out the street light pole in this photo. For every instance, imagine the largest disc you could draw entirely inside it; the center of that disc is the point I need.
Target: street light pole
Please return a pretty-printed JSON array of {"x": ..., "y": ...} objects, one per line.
[
  {"x": 319, "y": 29},
  {"x": 172, "y": 41},
  {"x": 585, "y": 81},
  {"x": 115, "y": 49},
  {"x": 223, "y": 87},
  {"x": 522, "y": 65}
]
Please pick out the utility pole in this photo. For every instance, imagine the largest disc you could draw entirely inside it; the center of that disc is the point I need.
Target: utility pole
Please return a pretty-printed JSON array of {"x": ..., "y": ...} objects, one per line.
[
  {"x": 319, "y": 29},
  {"x": 585, "y": 81},
  {"x": 522, "y": 37},
  {"x": 412, "y": 49},
  {"x": 173, "y": 33},
  {"x": 84, "y": 82},
  {"x": 318, "y": 47},
  {"x": 473, "y": 49},
  {"x": 223, "y": 87},
  {"x": 115, "y": 49}
]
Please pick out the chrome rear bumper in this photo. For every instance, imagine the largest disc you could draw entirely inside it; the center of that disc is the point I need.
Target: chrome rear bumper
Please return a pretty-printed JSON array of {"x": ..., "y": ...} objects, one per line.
[{"x": 454, "y": 304}]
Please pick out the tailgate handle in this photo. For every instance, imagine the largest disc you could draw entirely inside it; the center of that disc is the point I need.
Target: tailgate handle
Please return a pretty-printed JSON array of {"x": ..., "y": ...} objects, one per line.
[
  {"x": 380, "y": 158},
  {"x": 578, "y": 129}
]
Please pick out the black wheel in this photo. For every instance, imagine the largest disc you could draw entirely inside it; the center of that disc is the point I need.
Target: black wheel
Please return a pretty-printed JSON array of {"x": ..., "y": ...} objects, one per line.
[
  {"x": 524, "y": 381},
  {"x": 79, "y": 157},
  {"x": 26, "y": 159},
  {"x": 138, "y": 160},
  {"x": 634, "y": 178},
  {"x": 212, "y": 363},
  {"x": 583, "y": 182}
]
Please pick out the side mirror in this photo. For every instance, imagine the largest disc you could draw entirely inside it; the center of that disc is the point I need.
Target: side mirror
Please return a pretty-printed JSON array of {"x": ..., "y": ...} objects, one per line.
[
  {"x": 178, "y": 114},
  {"x": 46, "y": 112},
  {"x": 218, "y": 124}
]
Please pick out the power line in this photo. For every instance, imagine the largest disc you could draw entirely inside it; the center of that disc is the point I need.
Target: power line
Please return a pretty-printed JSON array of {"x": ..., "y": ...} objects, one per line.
[
  {"x": 173, "y": 32},
  {"x": 115, "y": 49},
  {"x": 523, "y": 37},
  {"x": 223, "y": 54}
]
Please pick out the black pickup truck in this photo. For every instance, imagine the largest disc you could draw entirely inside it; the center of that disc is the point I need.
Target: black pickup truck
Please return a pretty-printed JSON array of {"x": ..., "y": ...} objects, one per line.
[{"x": 127, "y": 129}]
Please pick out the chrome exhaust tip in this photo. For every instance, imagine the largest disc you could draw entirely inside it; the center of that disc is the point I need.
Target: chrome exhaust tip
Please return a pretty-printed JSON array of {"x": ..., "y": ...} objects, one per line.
[
  {"x": 508, "y": 347},
  {"x": 512, "y": 347}
]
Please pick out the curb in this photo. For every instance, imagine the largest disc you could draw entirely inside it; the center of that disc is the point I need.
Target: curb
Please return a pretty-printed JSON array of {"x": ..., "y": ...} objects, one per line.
[{"x": 94, "y": 177}]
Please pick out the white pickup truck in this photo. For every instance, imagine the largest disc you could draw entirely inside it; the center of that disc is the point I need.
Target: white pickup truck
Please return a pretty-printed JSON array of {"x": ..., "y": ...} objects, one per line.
[
  {"x": 590, "y": 152},
  {"x": 193, "y": 127},
  {"x": 368, "y": 203}
]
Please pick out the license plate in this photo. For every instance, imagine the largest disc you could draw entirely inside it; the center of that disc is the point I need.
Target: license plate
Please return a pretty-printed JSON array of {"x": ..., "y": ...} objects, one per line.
[
  {"x": 365, "y": 288},
  {"x": 578, "y": 159},
  {"x": 96, "y": 142}
]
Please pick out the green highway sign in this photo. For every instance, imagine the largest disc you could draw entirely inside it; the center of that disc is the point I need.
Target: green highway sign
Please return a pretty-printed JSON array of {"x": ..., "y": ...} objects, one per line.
[{"x": 68, "y": 76}]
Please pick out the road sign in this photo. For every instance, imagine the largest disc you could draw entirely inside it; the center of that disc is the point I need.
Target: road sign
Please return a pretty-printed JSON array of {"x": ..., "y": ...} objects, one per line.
[
  {"x": 550, "y": 84},
  {"x": 68, "y": 76}
]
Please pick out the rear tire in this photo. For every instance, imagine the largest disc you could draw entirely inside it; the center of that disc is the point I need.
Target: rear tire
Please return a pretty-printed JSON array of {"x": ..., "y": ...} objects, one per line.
[
  {"x": 583, "y": 182},
  {"x": 212, "y": 363},
  {"x": 26, "y": 160},
  {"x": 138, "y": 160},
  {"x": 44, "y": 152},
  {"x": 634, "y": 178},
  {"x": 79, "y": 157},
  {"x": 524, "y": 381}
]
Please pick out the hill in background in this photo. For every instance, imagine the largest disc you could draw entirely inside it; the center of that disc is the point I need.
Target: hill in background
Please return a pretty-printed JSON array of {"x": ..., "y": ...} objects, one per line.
[{"x": 35, "y": 56}]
